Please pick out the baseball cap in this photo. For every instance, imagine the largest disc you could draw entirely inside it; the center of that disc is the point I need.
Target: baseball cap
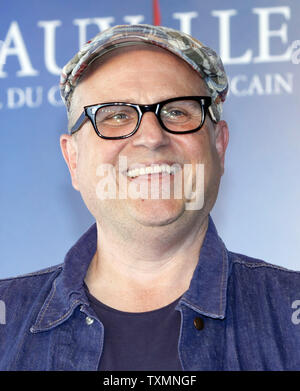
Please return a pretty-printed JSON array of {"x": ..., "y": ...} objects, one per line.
[{"x": 200, "y": 57}]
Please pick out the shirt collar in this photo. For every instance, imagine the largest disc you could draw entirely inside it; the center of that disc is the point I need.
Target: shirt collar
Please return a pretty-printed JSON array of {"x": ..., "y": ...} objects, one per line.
[
  {"x": 206, "y": 294},
  {"x": 67, "y": 290}
]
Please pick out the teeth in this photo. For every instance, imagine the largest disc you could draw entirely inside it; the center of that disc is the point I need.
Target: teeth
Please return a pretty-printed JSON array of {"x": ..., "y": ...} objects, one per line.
[{"x": 154, "y": 169}]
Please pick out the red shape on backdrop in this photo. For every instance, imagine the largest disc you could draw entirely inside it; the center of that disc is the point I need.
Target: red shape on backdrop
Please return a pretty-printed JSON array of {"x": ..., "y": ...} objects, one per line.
[{"x": 156, "y": 13}]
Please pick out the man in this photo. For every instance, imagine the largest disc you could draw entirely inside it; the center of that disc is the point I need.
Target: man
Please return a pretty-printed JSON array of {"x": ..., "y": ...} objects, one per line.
[{"x": 150, "y": 286}]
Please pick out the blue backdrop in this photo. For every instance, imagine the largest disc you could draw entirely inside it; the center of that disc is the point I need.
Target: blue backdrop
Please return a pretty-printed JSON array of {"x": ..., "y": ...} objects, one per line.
[{"x": 257, "y": 211}]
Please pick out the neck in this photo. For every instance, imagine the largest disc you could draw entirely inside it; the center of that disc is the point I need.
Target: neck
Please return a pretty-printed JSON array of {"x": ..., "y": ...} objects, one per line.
[{"x": 146, "y": 272}]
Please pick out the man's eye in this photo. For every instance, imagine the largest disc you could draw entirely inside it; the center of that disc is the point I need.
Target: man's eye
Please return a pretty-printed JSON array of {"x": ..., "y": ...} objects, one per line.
[
  {"x": 119, "y": 116},
  {"x": 173, "y": 114},
  {"x": 112, "y": 117}
]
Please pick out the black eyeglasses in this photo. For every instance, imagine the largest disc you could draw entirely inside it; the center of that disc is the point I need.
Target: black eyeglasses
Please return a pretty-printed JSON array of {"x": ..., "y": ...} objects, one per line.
[{"x": 118, "y": 120}]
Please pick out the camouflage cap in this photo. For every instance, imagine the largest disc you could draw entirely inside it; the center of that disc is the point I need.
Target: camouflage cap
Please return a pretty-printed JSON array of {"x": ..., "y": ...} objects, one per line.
[{"x": 203, "y": 59}]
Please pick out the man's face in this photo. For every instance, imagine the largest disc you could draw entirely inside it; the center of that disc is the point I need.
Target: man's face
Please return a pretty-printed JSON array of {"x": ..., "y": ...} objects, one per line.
[{"x": 142, "y": 75}]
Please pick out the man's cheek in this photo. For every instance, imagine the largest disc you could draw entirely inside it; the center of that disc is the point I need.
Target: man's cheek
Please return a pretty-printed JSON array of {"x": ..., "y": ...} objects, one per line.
[{"x": 105, "y": 182}]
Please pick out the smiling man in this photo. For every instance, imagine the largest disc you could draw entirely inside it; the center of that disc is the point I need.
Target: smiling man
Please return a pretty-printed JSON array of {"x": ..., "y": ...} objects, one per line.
[
  {"x": 143, "y": 242},
  {"x": 150, "y": 286}
]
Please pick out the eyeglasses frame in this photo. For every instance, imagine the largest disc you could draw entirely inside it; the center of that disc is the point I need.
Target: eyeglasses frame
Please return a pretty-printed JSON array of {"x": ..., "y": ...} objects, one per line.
[{"x": 90, "y": 111}]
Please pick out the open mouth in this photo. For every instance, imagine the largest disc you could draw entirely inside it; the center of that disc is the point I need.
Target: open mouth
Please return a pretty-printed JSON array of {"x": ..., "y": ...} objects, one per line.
[{"x": 153, "y": 169}]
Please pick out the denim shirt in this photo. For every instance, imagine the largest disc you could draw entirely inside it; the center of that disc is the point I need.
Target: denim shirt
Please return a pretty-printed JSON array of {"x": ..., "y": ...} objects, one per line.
[{"x": 250, "y": 311}]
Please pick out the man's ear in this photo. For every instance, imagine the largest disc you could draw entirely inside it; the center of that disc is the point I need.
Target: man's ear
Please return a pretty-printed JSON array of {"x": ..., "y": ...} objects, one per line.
[
  {"x": 222, "y": 138},
  {"x": 69, "y": 150}
]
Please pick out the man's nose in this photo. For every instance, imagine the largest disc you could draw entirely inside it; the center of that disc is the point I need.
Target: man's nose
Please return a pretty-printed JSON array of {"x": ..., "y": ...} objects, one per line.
[{"x": 150, "y": 134}]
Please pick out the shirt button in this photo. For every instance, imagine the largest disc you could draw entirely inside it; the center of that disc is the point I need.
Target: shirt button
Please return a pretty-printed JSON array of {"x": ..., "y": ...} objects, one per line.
[
  {"x": 89, "y": 320},
  {"x": 198, "y": 323}
]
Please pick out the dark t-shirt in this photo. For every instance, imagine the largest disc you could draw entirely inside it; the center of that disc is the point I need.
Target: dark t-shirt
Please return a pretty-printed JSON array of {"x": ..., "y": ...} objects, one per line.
[{"x": 139, "y": 341}]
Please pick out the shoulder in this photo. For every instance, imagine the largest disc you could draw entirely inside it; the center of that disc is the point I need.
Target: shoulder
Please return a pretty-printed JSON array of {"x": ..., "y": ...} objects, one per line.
[
  {"x": 241, "y": 262},
  {"x": 21, "y": 299},
  {"x": 264, "y": 311},
  {"x": 23, "y": 278},
  {"x": 258, "y": 277},
  {"x": 27, "y": 286}
]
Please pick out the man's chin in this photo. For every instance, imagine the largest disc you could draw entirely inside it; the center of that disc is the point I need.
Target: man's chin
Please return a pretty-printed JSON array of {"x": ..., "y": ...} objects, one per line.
[{"x": 156, "y": 213}]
